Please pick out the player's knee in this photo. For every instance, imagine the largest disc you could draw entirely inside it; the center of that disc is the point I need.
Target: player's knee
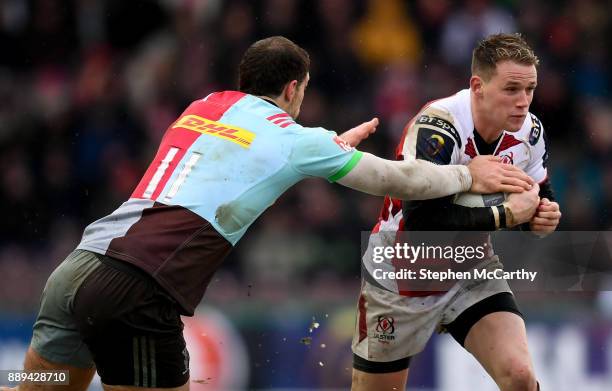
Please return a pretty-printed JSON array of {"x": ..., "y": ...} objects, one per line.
[{"x": 518, "y": 377}]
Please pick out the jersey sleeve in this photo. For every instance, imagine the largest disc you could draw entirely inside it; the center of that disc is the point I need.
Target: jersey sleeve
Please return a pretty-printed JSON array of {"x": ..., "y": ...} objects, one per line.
[
  {"x": 537, "y": 167},
  {"x": 432, "y": 137},
  {"x": 321, "y": 153}
]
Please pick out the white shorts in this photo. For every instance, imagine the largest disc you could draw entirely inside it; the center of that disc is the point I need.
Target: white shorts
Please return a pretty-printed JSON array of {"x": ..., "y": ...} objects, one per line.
[{"x": 390, "y": 328}]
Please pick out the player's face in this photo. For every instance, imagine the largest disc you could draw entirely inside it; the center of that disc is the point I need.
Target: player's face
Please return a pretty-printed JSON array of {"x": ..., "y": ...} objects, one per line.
[
  {"x": 509, "y": 93},
  {"x": 298, "y": 97}
]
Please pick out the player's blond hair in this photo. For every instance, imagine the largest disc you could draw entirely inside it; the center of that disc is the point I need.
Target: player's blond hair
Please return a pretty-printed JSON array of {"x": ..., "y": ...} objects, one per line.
[{"x": 501, "y": 47}]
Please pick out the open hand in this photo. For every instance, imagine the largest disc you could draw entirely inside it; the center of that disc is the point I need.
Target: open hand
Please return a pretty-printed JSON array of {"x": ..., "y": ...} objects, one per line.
[
  {"x": 360, "y": 132},
  {"x": 489, "y": 175}
]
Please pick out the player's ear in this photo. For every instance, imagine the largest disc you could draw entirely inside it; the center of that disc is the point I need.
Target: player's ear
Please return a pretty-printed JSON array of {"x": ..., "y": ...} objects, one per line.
[
  {"x": 290, "y": 90},
  {"x": 476, "y": 84}
]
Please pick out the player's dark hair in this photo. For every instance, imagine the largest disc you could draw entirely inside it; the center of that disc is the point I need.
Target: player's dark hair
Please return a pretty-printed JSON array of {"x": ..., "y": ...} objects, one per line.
[
  {"x": 269, "y": 64},
  {"x": 501, "y": 47}
]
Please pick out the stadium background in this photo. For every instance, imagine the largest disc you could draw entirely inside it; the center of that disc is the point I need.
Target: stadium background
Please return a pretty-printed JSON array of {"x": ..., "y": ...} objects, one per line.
[{"x": 88, "y": 87}]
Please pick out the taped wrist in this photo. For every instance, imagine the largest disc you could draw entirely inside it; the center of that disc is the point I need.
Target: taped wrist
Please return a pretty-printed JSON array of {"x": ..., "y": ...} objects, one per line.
[{"x": 499, "y": 214}]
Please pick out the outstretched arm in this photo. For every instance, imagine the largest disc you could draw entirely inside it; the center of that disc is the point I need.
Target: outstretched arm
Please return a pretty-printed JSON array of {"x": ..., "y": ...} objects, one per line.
[{"x": 420, "y": 180}]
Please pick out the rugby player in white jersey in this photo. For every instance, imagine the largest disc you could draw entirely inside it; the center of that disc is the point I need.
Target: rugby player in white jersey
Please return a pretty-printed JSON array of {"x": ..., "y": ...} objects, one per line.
[
  {"x": 490, "y": 118},
  {"x": 114, "y": 304}
]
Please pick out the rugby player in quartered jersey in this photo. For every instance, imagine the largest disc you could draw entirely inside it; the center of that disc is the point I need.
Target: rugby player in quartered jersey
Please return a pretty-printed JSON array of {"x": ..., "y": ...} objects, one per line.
[{"x": 225, "y": 160}]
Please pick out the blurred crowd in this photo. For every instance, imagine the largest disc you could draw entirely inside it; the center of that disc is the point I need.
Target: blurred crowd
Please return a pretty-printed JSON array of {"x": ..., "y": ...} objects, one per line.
[{"x": 88, "y": 87}]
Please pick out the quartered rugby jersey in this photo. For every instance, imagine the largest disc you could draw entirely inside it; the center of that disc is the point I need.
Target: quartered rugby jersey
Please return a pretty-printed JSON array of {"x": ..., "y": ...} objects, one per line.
[
  {"x": 443, "y": 133},
  {"x": 224, "y": 161}
]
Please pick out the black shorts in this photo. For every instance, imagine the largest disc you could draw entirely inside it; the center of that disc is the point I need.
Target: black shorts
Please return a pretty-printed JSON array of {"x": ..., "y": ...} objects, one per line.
[
  {"x": 499, "y": 302},
  {"x": 132, "y": 327}
]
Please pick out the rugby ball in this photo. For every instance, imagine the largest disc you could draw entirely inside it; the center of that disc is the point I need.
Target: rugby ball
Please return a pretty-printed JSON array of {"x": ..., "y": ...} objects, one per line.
[{"x": 473, "y": 200}]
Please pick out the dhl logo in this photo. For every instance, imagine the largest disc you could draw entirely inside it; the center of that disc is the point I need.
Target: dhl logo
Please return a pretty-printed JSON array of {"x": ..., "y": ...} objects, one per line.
[{"x": 240, "y": 136}]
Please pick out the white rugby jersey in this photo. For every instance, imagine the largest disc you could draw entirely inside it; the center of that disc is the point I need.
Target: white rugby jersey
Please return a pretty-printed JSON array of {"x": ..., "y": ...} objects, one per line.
[{"x": 443, "y": 133}]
